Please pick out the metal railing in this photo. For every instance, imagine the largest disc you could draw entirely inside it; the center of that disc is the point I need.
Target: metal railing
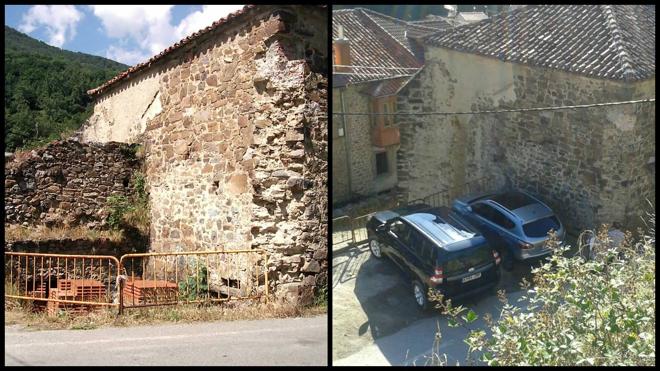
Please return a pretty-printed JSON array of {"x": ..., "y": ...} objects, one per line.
[
  {"x": 352, "y": 231},
  {"x": 75, "y": 283},
  {"x": 445, "y": 196},
  {"x": 153, "y": 279}
]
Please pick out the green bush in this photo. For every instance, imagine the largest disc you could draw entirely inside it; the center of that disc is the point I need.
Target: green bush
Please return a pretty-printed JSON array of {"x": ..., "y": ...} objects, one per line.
[
  {"x": 133, "y": 211},
  {"x": 576, "y": 312},
  {"x": 119, "y": 206}
]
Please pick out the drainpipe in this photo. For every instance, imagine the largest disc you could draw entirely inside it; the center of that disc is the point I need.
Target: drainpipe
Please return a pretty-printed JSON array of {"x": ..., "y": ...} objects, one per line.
[{"x": 346, "y": 144}]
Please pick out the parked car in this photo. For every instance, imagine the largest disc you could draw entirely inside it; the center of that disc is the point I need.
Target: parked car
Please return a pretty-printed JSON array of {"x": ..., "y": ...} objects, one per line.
[
  {"x": 435, "y": 248},
  {"x": 514, "y": 222}
]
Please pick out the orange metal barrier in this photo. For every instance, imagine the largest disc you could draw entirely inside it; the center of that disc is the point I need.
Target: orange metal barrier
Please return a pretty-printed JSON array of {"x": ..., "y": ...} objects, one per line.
[
  {"x": 153, "y": 279},
  {"x": 75, "y": 283}
]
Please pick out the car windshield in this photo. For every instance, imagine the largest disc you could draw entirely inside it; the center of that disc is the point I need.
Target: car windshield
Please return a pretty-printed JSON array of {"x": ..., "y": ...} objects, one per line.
[
  {"x": 460, "y": 262},
  {"x": 541, "y": 227}
]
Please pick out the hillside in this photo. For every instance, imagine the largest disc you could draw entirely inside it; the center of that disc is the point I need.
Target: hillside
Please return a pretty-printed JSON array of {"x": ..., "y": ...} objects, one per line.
[{"x": 45, "y": 89}]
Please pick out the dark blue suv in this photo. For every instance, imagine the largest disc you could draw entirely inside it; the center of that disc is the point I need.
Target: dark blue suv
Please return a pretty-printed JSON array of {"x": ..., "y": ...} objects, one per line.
[
  {"x": 435, "y": 248},
  {"x": 516, "y": 223}
]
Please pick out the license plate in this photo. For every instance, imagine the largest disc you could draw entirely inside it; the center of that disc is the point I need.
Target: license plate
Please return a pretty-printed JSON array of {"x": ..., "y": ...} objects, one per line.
[{"x": 472, "y": 277}]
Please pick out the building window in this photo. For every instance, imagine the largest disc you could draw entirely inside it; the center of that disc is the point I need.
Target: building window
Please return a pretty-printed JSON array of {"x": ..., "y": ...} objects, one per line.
[
  {"x": 381, "y": 163},
  {"x": 388, "y": 107}
]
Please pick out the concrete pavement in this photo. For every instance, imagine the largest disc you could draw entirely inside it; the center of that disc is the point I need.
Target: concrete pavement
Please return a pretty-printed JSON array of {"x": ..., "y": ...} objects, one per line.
[{"x": 376, "y": 321}]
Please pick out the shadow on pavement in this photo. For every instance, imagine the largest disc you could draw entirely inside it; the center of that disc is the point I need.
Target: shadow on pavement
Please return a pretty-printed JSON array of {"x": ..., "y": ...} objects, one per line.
[{"x": 402, "y": 332}]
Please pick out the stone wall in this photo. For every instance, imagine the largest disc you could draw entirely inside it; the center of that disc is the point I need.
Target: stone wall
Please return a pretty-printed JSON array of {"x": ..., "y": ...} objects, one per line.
[
  {"x": 354, "y": 158},
  {"x": 122, "y": 115},
  {"x": 236, "y": 156},
  {"x": 589, "y": 165},
  {"x": 67, "y": 183}
]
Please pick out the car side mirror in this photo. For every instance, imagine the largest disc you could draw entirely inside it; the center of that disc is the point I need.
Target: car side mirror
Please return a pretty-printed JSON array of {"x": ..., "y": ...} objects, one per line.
[
  {"x": 468, "y": 208},
  {"x": 382, "y": 228}
]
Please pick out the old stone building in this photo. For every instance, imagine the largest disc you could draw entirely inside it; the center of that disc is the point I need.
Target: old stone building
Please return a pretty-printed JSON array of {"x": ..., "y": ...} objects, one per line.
[
  {"x": 593, "y": 165},
  {"x": 374, "y": 56},
  {"x": 234, "y": 124}
]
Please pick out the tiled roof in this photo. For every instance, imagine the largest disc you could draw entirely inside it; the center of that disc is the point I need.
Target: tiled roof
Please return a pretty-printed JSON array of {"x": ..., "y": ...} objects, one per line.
[
  {"x": 378, "y": 43},
  {"x": 128, "y": 73},
  {"x": 386, "y": 87},
  {"x": 438, "y": 23},
  {"x": 613, "y": 42}
]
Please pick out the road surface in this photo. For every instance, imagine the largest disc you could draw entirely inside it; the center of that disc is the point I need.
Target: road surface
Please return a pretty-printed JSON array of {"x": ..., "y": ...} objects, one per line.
[{"x": 291, "y": 341}]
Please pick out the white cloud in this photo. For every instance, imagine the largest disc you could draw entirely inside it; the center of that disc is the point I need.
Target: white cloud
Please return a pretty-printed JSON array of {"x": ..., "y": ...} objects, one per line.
[
  {"x": 150, "y": 27},
  {"x": 126, "y": 56},
  {"x": 146, "y": 25},
  {"x": 195, "y": 21},
  {"x": 59, "y": 22}
]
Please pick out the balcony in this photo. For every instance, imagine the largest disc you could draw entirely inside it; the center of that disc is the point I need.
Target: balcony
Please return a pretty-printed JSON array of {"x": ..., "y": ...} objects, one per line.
[{"x": 385, "y": 136}]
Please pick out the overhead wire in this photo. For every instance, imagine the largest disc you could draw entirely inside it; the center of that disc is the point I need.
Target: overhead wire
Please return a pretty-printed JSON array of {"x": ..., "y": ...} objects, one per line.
[{"x": 533, "y": 109}]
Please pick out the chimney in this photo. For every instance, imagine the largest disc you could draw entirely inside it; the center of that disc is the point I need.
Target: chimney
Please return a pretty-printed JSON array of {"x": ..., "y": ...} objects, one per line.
[
  {"x": 452, "y": 10},
  {"x": 342, "y": 51}
]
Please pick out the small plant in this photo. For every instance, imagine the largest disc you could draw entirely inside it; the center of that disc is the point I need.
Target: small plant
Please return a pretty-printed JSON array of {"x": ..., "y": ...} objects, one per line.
[
  {"x": 133, "y": 211},
  {"x": 119, "y": 206},
  {"x": 321, "y": 297},
  {"x": 193, "y": 285}
]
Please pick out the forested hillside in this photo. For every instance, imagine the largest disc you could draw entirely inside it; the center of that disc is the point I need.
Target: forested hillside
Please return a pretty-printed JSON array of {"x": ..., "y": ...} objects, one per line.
[{"x": 45, "y": 89}]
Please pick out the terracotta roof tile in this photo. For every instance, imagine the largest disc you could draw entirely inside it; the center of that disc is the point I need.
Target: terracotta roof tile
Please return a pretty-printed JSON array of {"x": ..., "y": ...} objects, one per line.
[
  {"x": 175, "y": 46},
  {"x": 613, "y": 42}
]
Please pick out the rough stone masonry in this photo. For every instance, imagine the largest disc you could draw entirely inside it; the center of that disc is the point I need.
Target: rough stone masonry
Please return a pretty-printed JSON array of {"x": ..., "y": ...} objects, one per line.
[
  {"x": 67, "y": 183},
  {"x": 234, "y": 123}
]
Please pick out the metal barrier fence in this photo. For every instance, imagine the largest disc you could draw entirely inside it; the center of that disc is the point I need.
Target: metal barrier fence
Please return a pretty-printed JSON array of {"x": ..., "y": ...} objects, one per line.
[
  {"x": 153, "y": 279},
  {"x": 81, "y": 283},
  {"x": 75, "y": 283}
]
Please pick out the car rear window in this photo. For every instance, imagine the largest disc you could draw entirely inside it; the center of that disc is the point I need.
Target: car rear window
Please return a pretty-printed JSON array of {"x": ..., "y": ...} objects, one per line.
[
  {"x": 541, "y": 227},
  {"x": 460, "y": 262},
  {"x": 513, "y": 200}
]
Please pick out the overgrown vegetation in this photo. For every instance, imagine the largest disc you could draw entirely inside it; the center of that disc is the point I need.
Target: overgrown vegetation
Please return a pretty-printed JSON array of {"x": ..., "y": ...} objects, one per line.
[
  {"x": 133, "y": 211},
  {"x": 46, "y": 89},
  {"x": 16, "y": 313},
  {"x": 15, "y": 232},
  {"x": 577, "y": 311}
]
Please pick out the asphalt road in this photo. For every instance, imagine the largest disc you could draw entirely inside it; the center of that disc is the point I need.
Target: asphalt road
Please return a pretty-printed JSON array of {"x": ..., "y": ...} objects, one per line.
[{"x": 291, "y": 341}]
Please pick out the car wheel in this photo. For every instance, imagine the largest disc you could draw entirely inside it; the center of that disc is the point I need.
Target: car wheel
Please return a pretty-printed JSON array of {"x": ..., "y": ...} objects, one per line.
[
  {"x": 419, "y": 292},
  {"x": 374, "y": 246}
]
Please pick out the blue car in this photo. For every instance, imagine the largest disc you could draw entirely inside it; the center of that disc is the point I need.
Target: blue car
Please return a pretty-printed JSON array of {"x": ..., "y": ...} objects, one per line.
[{"x": 514, "y": 222}]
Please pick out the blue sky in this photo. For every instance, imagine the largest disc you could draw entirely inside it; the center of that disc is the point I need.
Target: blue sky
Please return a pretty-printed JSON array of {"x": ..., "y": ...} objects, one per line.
[{"x": 129, "y": 34}]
